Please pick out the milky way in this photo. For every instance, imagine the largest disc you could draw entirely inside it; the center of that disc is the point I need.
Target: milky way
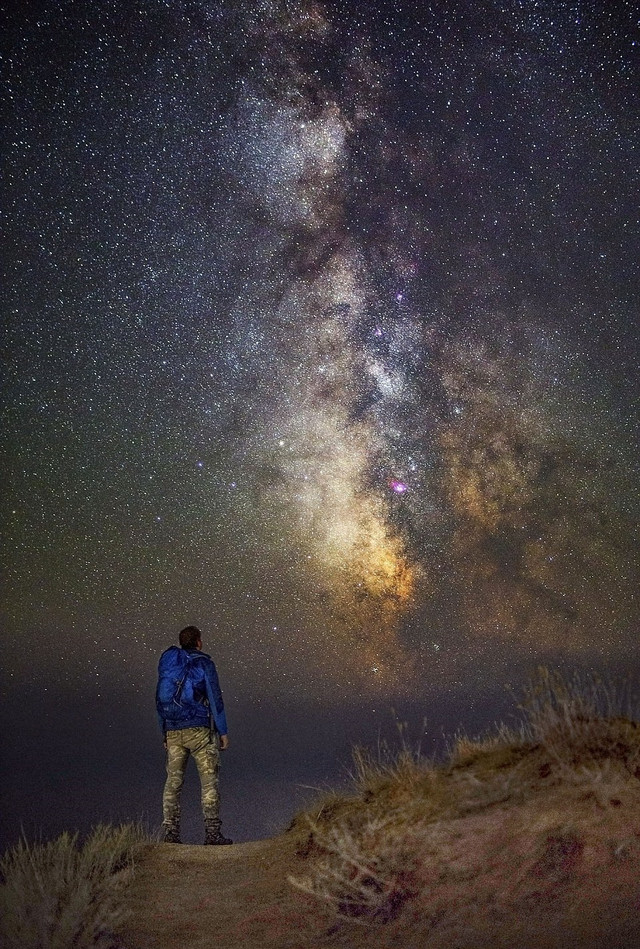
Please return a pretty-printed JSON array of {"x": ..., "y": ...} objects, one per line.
[{"x": 322, "y": 337}]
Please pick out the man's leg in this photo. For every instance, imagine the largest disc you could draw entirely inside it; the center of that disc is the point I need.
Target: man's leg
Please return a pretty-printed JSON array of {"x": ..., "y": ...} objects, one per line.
[
  {"x": 207, "y": 758},
  {"x": 177, "y": 757}
]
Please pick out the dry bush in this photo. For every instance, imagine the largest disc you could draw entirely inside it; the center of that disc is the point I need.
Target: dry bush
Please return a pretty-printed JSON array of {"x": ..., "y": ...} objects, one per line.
[
  {"x": 464, "y": 750},
  {"x": 470, "y": 793},
  {"x": 61, "y": 894},
  {"x": 366, "y": 845},
  {"x": 366, "y": 874},
  {"x": 401, "y": 769},
  {"x": 582, "y": 721}
]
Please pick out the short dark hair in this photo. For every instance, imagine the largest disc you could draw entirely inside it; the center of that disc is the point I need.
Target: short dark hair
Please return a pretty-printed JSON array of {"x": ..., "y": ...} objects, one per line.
[{"x": 189, "y": 637}]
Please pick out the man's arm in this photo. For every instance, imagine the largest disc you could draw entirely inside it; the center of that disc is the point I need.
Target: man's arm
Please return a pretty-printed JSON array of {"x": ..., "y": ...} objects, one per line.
[
  {"x": 161, "y": 721},
  {"x": 216, "y": 705}
]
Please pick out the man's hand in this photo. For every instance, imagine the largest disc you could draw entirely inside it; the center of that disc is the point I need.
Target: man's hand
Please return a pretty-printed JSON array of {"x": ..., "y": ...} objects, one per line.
[{"x": 224, "y": 742}]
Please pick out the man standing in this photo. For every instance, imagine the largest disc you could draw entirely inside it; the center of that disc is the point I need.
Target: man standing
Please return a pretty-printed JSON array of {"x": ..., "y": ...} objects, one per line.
[{"x": 193, "y": 721}]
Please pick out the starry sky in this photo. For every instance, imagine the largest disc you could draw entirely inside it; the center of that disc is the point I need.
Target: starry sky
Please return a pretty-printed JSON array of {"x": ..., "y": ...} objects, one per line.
[{"x": 321, "y": 334}]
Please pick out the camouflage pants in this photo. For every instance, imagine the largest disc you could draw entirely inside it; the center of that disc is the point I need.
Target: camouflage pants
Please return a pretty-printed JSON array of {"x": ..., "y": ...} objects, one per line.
[{"x": 200, "y": 743}]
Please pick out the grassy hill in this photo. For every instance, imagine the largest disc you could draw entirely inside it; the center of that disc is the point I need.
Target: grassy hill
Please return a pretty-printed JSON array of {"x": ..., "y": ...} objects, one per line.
[{"x": 526, "y": 839}]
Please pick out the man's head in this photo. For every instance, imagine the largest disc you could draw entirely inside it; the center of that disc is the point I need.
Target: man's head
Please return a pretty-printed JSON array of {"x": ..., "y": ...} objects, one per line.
[{"x": 190, "y": 638}]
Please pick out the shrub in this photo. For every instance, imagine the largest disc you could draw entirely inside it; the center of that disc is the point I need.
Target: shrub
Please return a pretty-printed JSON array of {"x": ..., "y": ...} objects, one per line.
[
  {"x": 582, "y": 721},
  {"x": 464, "y": 750},
  {"x": 60, "y": 894},
  {"x": 366, "y": 874},
  {"x": 402, "y": 767}
]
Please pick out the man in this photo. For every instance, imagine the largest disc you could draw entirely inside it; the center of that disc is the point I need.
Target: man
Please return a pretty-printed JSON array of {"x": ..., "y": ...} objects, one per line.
[{"x": 193, "y": 721}]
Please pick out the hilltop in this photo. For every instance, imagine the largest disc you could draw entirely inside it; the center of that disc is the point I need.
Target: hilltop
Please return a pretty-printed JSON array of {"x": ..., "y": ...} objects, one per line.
[
  {"x": 560, "y": 870},
  {"x": 526, "y": 839}
]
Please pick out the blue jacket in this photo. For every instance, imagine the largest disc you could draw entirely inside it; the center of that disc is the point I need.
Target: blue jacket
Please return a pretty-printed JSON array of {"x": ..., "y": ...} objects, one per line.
[{"x": 206, "y": 689}]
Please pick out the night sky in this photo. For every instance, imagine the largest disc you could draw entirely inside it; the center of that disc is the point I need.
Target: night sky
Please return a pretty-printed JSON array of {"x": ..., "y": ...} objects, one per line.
[{"x": 320, "y": 334}]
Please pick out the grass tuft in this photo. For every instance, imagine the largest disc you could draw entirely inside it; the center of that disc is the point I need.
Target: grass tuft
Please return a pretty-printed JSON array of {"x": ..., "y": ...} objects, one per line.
[
  {"x": 63, "y": 893},
  {"x": 402, "y": 767},
  {"x": 465, "y": 751}
]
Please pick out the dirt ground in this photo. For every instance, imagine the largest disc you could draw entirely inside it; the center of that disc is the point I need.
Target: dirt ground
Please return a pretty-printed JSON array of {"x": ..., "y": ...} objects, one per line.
[
  {"x": 228, "y": 897},
  {"x": 498, "y": 879}
]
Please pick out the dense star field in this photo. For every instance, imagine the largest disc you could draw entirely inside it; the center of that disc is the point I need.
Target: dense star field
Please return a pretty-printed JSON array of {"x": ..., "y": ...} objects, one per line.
[{"x": 322, "y": 335}]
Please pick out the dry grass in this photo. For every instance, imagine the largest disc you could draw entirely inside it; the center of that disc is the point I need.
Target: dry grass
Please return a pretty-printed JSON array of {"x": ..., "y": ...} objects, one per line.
[
  {"x": 365, "y": 875},
  {"x": 60, "y": 894},
  {"x": 369, "y": 851},
  {"x": 583, "y": 721}
]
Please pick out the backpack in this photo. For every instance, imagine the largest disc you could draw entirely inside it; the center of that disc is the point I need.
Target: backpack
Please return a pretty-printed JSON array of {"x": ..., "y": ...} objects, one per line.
[{"x": 178, "y": 679}]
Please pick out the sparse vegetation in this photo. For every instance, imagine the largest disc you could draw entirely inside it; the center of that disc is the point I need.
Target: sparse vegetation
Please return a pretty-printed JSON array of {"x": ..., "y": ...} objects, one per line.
[
  {"x": 582, "y": 721},
  {"x": 66, "y": 893},
  {"x": 366, "y": 875},
  {"x": 376, "y": 851}
]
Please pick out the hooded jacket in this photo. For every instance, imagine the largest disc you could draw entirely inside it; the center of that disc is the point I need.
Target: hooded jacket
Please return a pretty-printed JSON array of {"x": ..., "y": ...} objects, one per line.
[{"x": 207, "y": 698}]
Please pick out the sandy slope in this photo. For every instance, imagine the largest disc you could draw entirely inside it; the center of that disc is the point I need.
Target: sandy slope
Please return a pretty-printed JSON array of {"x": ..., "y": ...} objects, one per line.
[{"x": 560, "y": 870}]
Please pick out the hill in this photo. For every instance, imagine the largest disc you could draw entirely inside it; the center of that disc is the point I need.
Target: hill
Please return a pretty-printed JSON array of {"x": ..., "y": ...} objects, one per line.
[
  {"x": 527, "y": 839},
  {"x": 560, "y": 870}
]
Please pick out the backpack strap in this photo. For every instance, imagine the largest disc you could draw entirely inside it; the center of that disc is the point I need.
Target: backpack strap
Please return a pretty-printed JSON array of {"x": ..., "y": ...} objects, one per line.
[
  {"x": 180, "y": 683},
  {"x": 190, "y": 660}
]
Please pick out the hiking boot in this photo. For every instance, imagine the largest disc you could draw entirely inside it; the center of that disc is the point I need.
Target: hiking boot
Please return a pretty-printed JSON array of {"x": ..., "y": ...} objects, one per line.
[
  {"x": 217, "y": 840},
  {"x": 171, "y": 833},
  {"x": 213, "y": 834}
]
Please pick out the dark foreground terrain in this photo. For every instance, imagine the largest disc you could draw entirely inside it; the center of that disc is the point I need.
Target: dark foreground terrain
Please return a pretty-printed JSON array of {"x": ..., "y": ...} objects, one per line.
[{"x": 502, "y": 849}]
